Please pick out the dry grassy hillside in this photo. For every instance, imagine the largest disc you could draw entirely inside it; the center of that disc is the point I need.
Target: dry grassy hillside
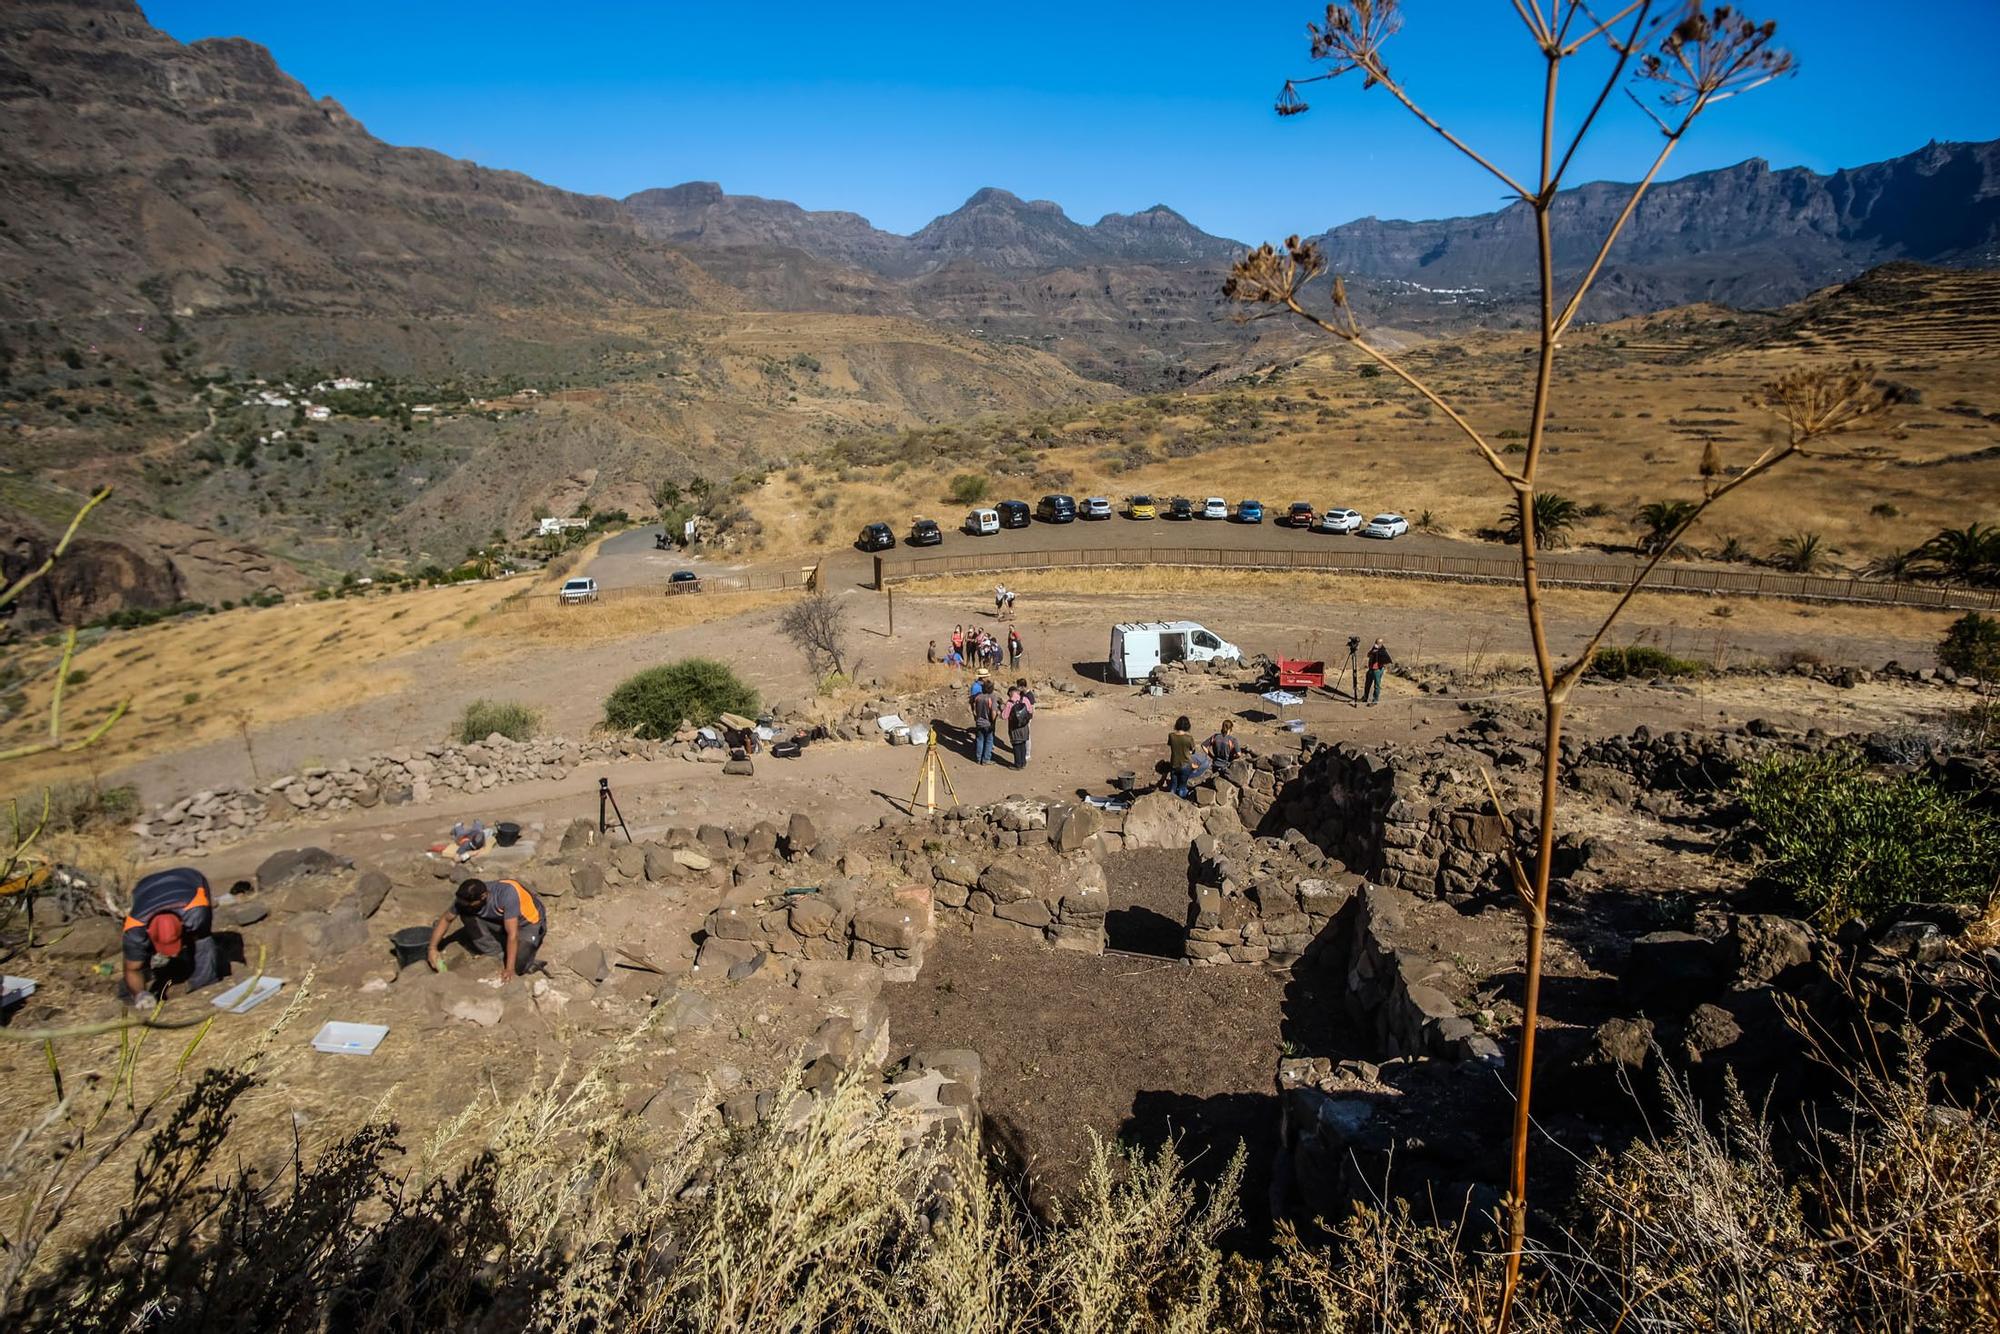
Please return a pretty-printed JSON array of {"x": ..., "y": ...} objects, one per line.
[{"x": 1635, "y": 402}]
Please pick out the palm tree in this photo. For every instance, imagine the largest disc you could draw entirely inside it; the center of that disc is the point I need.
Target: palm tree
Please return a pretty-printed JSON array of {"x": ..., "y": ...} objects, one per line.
[
  {"x": 1801, "y": 553},
  {"x": 1555, "y": 515},
  {"x": 1663, "y": 518},
  {"x": 1968, "y": 555},
  {"x": 1900, "y": 566}
]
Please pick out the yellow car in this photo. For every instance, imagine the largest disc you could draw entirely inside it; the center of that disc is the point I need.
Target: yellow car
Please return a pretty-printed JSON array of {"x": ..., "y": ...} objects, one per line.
[{"x": 1141, "y": 507}]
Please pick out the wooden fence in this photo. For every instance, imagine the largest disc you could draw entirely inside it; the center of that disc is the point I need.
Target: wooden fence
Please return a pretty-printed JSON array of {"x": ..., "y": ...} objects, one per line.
[{"x": 1556, "y": 572}]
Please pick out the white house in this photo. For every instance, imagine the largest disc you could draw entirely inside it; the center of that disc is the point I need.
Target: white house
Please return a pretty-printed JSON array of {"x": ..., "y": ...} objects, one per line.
[
  {"x": 318, "y": 412},
  {"x": 551, "y": 526}
]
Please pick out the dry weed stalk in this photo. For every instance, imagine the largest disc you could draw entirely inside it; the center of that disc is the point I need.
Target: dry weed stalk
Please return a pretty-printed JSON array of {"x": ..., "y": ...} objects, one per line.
[{"x": 1690, "y": 60}]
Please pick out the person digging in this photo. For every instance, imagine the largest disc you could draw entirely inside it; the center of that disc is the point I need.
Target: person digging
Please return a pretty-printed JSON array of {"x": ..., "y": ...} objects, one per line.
[
  {"x": 502, "y": 917},
  {"x": 170, "y": 917}
]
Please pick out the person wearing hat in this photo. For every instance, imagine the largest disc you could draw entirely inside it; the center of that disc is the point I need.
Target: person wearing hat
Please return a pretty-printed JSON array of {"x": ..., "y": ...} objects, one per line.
[
  {"x": 170, "y": 917},
  {"x": 502, "y": 917},
  {"x": 985, "y": 716}
]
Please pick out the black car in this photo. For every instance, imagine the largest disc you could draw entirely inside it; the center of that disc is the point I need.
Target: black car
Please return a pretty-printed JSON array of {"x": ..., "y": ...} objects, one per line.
[
  {"x": 925, "y": 533},
  {"x": 683, "y": 577},
  {"x": 1180, "y": 507},
  {"x": 875, "y": 537},
  {"x": 1014, "y": 513},
  {"x": 1056, "y": 509}
]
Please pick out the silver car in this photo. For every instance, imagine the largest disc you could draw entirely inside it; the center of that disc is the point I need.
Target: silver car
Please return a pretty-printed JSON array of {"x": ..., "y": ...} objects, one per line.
[
  {"x": 1386, "y": 526},
  {"x": 1340, "y": 521}
]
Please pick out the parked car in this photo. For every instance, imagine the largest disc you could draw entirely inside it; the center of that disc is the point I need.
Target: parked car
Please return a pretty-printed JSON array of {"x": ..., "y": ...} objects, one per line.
[
  {"x": 683, "y": 577},
  {"x": 1141, "y": 507},
  {"x": 1180, "y": 507},
  {"x": 1056, "y": 509},
  {"x": 1300, "y": 515},
  {"x": 925, "y": 533},
  {"x": 1249, "y": 511},
  {"x": 875, "y": 537},
  {"x": 1215, "y": 507},
  {"x": 577, "y": 590},
  {"x": 1137, "y": 648},
  {"x": 1014, "y": 513},
  {"x": 1340, "y": 521},
  {"x": 1095, "y": 507},
  {"x": 982, "y": 523},
  {"x": 1386, "y": 526}
]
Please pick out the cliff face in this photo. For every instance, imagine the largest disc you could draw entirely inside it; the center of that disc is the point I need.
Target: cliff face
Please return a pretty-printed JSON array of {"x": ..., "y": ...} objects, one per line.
[
  {"x": 143, "y": 179},
  {"x": 1742, "y": 236}
]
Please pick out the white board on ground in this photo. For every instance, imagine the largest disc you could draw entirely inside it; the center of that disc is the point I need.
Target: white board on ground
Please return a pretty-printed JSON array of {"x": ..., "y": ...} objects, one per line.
[{"x": 248, "y": 994}]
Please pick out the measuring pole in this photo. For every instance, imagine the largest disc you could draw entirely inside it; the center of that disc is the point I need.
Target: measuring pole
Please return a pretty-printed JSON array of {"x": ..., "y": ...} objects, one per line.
[{"x": 892, "y": 611}]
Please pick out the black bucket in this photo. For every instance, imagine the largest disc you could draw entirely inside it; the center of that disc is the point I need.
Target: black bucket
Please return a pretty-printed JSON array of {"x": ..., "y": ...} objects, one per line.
[
  {"x": 412, "y": 945},
  {"x": 506, "y": 833},
  {"x": 1127, "y": 781}
]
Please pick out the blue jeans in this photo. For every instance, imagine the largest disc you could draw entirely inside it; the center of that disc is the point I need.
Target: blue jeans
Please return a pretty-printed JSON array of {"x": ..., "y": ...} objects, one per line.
[{"x": 982, "y": 744}]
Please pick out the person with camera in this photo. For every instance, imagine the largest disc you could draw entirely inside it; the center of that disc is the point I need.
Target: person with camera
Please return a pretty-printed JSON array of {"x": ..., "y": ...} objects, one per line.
[{"x": 1378, "y": 662}]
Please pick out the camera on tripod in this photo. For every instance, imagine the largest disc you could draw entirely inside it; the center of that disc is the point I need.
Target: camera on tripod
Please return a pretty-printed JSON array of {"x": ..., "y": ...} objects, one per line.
[{"x": 1353, "y": 645}]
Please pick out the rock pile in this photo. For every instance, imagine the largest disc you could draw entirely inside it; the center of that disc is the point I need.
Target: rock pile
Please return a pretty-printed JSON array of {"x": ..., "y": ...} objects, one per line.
[{"x": 210, "y": 819}]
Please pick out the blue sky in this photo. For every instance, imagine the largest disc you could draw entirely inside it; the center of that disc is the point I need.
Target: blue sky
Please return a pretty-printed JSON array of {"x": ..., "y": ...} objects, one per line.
[{"x": 900, "y": 111}]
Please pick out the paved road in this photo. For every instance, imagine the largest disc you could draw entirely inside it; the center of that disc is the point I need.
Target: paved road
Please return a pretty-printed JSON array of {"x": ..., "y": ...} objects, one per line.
[{"x": 630, "y": 560}]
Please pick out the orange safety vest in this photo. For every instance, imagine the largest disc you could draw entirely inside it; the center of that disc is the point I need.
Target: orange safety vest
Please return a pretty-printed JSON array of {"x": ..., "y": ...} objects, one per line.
[
  {"x": 529, "y": 912},
  {"x": 200, "y": 900}
]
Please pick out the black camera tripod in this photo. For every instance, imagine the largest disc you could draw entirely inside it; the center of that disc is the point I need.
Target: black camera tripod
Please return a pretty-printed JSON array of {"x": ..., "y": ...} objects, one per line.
[
  {"x": 1354, "y": 671},
  {"x": 604, "y": 800}
]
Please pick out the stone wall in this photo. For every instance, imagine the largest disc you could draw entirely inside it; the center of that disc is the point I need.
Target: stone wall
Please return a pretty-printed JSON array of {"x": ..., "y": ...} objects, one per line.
[{"x": 210, "y": 819}]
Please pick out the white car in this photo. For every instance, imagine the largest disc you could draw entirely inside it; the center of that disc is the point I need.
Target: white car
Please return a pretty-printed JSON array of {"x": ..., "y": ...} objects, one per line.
[
  {"x": 1386, "y": 525},
  {"x": 577, "y": 590},
  {"x": 1094, "y": 507},
  {"x": 982, "y": 523},
  {"x": 1215, "y": 507},
  {"x": 1340, "y": 521}
]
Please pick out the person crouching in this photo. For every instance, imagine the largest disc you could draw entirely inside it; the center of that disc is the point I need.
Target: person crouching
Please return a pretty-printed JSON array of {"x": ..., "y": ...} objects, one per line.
[
  {"x": 497, "y": 917},
  {"x": 170, "y": 917}
]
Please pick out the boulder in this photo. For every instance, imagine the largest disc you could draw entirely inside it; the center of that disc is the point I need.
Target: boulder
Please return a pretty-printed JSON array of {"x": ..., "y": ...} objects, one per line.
[
  {"x": 1767, "y": 947},
  {"x": 588, "y": 881},
  {"x": 629, "y": 861},
  {"x": 91, "y": 938},
  {"x": 892, "y": 926},
  {"x": 1162, "y": 820},
  {"x": 1084, "y": 823},
  {"x": 1670, "y": 972},
  {"x": 240, "y": 913},
  {"x": 811, "y": 915},
  {"x": 720, "y": 958},
  {"x": 692, "y": 860},
  {"x": 484, "y": 1011},
  {"x": 660, "y": 863},
  {"x": 1710, "y": 1031},
  {"x": 761, "y": 843},
  {"x": 317, "y": 937},
  {"x": 801, "y": 835},
  {"x": 282, "y": 867},
  {"x": 579, "y": 835},
  {"x": 365, "y": 899},
  {"x": 590, "y": 963}
]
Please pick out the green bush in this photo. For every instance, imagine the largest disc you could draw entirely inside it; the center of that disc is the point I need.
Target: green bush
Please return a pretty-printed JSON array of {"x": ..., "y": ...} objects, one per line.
[
  {"x": 1972, "y": 646},
  {"x": 658, "y": 700},
  {"x": 1844, "y": 842},
  {"x": 483, "y": 717},
  {"x": 969, "y": 488},
  {"x": 75, "y": 808},
  {"x": 1616, "y": 664}
]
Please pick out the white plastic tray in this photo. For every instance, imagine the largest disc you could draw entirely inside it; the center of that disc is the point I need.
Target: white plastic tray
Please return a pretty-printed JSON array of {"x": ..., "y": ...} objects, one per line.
[
  {"x": 14, "y": 990},
  {"x": 248, "y": 994},
  {"x": 350, "y": 1039}
]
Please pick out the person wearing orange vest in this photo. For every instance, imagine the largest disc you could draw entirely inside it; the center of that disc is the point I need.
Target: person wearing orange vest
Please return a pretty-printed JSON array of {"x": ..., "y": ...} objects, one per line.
[
  {"x": 502, "y": 917},
  {"x": 170, "y": 917}
]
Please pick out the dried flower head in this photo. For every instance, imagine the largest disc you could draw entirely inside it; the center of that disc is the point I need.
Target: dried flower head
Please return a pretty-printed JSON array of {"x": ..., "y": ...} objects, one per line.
[
  {"x": 1352, "y": 37},
  {"x": 1289, "y": 101},
  {"x": 1267, "y": 276},
  {"x": 1709, "y": 56},
  {"x": 1817, "y": 401}
]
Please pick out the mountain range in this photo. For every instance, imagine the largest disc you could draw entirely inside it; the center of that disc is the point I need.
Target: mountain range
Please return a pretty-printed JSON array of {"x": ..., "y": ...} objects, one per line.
[{"x": 171, "y": 213}]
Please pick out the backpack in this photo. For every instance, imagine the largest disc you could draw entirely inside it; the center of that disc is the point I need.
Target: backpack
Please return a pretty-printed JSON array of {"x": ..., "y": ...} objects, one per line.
[{"x": 1023, "y": 712}]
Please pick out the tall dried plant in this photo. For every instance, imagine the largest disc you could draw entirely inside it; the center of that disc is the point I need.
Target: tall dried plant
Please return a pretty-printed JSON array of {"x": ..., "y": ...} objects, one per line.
[{"x": 1676, "y": 62}]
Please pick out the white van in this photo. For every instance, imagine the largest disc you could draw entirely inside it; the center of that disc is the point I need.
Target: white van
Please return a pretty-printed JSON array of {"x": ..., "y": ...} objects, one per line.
[
  {"x": 983, "y": 523},
  {"x": 1138, "y": 648}
]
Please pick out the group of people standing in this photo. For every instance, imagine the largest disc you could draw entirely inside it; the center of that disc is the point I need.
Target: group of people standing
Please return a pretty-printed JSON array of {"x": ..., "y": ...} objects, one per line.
[
  {"x": 991, "y": 711},
  {"x": 973, "y": 647}
]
